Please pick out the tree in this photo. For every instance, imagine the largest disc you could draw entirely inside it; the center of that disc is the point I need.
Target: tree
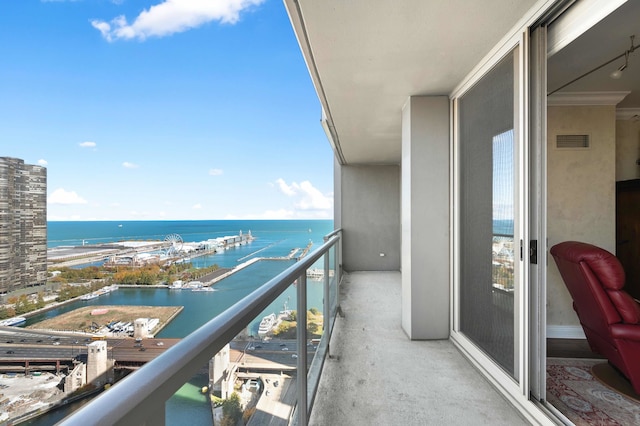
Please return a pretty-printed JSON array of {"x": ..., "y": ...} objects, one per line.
[
  {"x": 231, "y": 410},
  {"x": 7, "y": 312},
  {"x": 312, "y": 327},
  {"x": 40, "y": 302},
  {"x": 23, "y": 305}
]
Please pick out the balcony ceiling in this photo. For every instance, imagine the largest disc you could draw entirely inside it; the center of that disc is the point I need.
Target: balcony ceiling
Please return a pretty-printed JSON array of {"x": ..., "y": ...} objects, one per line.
[{"x": 366, "y": 57}]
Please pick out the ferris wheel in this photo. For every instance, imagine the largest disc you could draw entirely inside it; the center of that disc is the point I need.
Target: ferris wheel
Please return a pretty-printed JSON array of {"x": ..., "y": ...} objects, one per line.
[{"x": 174, "y": 242}]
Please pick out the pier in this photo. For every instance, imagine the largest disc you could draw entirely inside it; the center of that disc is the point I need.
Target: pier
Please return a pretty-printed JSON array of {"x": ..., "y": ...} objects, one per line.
[
  {"x": 140, "y": 253},
  {"x": 228, "y": 273},
  {"x": 292, "y": 254}
]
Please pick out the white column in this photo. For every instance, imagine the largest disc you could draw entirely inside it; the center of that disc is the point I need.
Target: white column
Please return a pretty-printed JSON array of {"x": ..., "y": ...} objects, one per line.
[{"x": 425, "y": 217}]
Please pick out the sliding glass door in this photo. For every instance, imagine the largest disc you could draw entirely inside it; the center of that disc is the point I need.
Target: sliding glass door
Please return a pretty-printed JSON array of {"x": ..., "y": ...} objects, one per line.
[{"x": 489, "y": 249}]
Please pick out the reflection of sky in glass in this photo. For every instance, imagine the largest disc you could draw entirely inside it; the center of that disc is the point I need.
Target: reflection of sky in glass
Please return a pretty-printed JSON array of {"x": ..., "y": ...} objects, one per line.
[{"x": 503, "y": 176}]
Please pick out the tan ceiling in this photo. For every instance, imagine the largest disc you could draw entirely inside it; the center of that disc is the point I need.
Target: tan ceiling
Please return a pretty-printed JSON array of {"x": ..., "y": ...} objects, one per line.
[{"x": 368, "y": 56}]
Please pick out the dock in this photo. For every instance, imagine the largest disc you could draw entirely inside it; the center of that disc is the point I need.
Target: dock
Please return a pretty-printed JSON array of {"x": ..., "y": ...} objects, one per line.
[{"x": 250, "y": 262}]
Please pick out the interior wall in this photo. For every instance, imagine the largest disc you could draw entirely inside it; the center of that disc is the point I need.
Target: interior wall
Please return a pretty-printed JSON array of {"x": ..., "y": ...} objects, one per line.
[
  {"x": 627, "y": 149},
  {"x": 581, "y": 193},
  {"x": 370, "y": 217}
]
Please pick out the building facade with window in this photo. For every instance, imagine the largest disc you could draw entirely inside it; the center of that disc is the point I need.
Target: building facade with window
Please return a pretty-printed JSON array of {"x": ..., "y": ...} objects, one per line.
[{"x": 23, "y": 225}]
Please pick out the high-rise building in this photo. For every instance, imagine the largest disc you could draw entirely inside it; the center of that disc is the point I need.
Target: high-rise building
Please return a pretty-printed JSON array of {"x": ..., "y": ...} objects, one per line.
[{"x": 23, "y": 225}]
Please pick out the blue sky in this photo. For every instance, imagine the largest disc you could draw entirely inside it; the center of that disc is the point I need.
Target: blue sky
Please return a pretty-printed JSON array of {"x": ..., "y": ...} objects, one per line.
[{"x": 161, "y": 110}]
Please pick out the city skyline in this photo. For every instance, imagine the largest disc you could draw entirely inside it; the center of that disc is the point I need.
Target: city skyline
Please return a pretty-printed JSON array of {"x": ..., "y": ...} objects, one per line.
[{"x": 164, "y": 110}]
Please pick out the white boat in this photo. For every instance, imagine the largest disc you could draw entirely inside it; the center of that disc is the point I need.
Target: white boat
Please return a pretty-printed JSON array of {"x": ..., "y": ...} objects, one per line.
[
  {"x": 110, "y": 288},
  {"x": 89, "y": 296},
  {"x": 194, "y": 284},
  {"x": 202, "y": 289},
  {"x": 267, "y": 324},
  {"x": 177, "y": 285},
  {"x": 13, "y": 321}
]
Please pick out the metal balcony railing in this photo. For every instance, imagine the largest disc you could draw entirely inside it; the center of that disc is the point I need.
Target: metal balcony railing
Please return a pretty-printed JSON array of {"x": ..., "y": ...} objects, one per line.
[{"x": 140, "y": 398}]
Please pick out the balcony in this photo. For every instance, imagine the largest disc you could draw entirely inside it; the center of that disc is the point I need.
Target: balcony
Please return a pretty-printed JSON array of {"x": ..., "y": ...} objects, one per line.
[
  {"x": 376, "y": 375},
  {"x": 365, "y": 369}
]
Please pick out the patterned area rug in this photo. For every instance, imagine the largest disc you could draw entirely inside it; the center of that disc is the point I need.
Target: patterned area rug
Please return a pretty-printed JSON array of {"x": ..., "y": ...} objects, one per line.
[{"x": 573, "y": 390}]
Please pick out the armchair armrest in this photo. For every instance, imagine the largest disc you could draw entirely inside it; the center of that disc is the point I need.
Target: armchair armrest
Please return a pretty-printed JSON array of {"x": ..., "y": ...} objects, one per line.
[{"x": 625, "y": 331}]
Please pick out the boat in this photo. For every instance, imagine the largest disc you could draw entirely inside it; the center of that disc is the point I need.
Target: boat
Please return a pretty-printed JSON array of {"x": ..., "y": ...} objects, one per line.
[
  {"x": 267, "y": 324},
  {"x": 89, "y": 296},
  {"x": 177, "y": 285},
  {"x": 194, "y": 285},
  {"x": 97, "y": 293},
  {"x": 13, "y": 321},
  {"x": 203, "y": 289}
]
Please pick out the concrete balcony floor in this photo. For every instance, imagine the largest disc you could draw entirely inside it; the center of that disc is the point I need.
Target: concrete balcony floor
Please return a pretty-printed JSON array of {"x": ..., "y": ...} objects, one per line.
[{"x": 380, "y": 377}]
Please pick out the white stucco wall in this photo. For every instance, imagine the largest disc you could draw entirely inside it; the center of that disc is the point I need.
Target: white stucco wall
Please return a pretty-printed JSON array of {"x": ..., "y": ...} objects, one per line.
[{"x": 581, "y": 193}]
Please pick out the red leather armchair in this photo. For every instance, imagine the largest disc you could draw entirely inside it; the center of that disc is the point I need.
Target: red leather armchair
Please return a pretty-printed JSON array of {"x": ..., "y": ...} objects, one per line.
[{"x": 609, "y": 316}]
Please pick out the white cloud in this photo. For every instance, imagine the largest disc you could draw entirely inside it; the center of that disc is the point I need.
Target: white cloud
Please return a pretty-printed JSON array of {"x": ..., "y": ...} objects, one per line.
[
  {"x": 308, "y": 203},
  {"x": 309, "y": 197},
  {"x": 215, "y": 172},
  {"x": 197, "y": 206},
  {"x": 312, "y": 198},
  {"x": 87, "y": 144},
  {"x": 42, "y": 162},
  {"x": 285, "y": 189},
  {"x": 173, "y": 16},
  {"x": 61, "y": 196},
  {"x": 128, "y": 165}
]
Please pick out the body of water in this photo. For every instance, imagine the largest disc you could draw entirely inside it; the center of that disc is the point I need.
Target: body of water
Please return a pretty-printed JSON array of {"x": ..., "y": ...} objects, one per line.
[{"x": 272, "y": 239}]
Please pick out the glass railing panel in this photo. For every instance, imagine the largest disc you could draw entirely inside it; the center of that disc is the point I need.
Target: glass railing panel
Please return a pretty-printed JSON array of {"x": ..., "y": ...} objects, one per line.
[
  {"x": 502, "y": 273},
  {"x": 193, "y": 401},
  {"x": 264, "y": 364}
]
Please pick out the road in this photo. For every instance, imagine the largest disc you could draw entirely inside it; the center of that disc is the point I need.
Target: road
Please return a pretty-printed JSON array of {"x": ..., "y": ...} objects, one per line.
[{"x": 17, "y": 344}]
